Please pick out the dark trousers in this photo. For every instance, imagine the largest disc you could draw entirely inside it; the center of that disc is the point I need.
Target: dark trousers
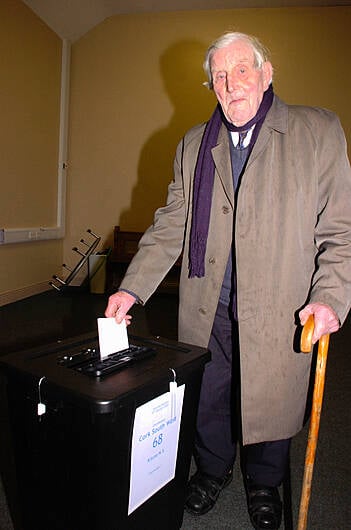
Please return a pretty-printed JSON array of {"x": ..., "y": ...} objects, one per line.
[{"x": 218, "y": 421}]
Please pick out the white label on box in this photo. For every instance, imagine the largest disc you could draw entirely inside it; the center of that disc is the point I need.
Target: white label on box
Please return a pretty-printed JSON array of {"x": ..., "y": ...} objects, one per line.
[{"x": 154, "y": 445}]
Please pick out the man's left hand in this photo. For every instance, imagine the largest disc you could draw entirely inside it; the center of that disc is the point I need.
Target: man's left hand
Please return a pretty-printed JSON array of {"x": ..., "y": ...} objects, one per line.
[{"x": 325, "y": 319}]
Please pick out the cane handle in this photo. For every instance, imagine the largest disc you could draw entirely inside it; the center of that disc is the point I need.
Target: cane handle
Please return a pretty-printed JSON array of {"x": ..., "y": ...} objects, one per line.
[{"x": 306, "y": 335}]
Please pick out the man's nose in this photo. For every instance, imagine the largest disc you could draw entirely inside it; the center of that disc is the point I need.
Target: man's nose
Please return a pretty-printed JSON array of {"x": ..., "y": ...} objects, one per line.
[{"x": 232, "y": 82}]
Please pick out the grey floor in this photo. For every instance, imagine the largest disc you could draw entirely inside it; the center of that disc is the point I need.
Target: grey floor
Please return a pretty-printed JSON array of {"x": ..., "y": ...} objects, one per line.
[{"x": 49, "y": 316}]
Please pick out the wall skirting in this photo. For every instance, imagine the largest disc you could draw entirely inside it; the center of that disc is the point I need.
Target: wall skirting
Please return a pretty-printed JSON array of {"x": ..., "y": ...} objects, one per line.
[{"x": 19, "y": 294}]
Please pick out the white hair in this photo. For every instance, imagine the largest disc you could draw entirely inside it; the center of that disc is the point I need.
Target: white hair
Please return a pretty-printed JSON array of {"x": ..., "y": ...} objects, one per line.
[{"x": 261, "y": 54}]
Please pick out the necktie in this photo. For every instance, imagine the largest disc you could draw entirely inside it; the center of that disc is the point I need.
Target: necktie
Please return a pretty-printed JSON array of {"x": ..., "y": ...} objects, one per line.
[{"x": 242, "y": 136}]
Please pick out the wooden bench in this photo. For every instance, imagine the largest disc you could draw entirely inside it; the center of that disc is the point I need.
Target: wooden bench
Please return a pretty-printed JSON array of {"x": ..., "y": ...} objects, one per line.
[{"x": 125, "y": 246}]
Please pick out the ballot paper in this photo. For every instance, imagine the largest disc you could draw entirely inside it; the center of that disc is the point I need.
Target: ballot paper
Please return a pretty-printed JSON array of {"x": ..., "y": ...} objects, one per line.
[{"x": 113, "y": 337}]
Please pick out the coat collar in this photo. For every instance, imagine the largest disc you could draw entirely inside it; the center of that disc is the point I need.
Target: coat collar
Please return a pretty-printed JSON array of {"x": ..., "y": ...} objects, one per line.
[
  {"x": 276, "y": 120},
  {"x": 222, "y": 161}
]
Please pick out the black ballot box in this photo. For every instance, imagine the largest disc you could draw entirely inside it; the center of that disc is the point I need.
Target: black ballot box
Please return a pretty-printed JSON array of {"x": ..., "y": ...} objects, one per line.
[{"x": 71, "y": 421}]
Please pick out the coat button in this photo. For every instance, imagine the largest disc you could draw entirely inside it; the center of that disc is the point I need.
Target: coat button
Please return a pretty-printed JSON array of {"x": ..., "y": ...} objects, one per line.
[
  {"x": 212, "y": 260},
  {"x": 225, "y": 209},
  {"x": 202, "y": 311}
]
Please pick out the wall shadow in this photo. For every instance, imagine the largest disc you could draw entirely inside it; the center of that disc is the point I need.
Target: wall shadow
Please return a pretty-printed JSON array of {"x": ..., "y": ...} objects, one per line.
[{"x": 182, "y": 76}]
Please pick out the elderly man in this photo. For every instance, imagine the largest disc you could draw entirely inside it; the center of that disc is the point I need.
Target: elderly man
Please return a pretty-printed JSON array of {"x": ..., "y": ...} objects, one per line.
[{"x": 260, "y": 207}]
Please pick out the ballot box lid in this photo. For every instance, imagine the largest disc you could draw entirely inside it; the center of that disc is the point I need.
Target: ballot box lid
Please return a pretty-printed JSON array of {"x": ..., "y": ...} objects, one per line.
[{"x": 171, "y": 359}]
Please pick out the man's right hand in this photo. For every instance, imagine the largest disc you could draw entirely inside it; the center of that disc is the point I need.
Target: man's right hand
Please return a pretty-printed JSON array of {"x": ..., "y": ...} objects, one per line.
[{"x": 119, "y": 305}]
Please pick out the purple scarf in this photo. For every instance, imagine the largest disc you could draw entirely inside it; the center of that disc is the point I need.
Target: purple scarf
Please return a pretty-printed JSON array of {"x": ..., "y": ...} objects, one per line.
[{"x": 204, "y": 179}]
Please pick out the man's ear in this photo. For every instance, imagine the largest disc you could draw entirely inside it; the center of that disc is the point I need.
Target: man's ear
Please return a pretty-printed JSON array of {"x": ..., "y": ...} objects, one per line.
[{"x": 267, "y": 74}]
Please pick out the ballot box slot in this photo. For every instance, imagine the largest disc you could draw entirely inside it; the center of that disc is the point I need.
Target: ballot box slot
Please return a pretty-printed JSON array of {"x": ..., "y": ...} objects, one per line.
[
  {"x": 168, "y": 345},
  {"x": 87, "y": 360},
  {"x": 61, "y": 346}
]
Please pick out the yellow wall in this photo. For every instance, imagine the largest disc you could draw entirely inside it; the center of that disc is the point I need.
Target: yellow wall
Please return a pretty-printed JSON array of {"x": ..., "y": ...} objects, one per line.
[
  {"x": 137, "y": 86},
  {"x": 30, "y": 92}
]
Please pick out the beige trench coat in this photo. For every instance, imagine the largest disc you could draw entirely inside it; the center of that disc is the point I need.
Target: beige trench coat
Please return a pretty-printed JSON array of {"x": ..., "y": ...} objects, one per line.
[{"x": 292, "y": 245}]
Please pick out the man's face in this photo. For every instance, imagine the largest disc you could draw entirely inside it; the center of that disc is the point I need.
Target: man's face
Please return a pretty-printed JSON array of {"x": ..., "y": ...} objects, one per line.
[{"x": 237, "y": 83}]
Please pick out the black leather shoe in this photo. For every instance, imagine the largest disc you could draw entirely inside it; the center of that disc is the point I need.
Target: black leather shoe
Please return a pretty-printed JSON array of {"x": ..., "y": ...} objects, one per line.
[
  {"x": 265, "y": 506},
  {"x": 203, "y": 492}
]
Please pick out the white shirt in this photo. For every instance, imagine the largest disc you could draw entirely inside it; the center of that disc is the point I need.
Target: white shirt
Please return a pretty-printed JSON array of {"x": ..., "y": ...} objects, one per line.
[{"x": 235, "y": 137}]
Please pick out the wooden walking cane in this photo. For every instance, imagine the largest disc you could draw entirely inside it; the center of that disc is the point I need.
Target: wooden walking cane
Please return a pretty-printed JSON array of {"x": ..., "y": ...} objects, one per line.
[{"x": 306, "y": 347}]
